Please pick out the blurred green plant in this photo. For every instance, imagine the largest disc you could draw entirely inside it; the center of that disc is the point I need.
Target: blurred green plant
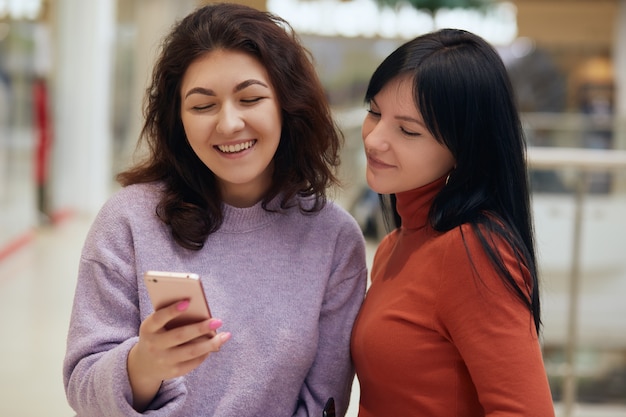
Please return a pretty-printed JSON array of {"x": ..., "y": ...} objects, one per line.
[{"x": 433, "y": 5}]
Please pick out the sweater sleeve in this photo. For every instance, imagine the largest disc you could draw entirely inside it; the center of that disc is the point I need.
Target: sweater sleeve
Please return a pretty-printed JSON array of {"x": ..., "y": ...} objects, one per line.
[
  {"x": 492, "y": 329},
  {"x": 104, "y": 326},
  {"x": 332, "y": 372}
]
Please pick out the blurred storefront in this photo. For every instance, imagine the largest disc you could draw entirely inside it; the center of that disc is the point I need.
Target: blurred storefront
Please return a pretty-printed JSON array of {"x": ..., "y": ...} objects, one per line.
[
  {"x": 91, "y": 60},
  {"x": 24, "y": 123},
  {"x": 72, "y": 78}
]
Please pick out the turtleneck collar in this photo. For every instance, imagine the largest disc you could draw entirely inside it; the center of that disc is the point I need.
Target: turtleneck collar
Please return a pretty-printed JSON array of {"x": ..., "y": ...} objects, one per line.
[{"x": 414, "y": 205}]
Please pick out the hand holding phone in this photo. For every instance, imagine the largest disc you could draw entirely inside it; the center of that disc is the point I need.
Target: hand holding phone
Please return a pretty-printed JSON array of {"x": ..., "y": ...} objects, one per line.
[
  {"x": 166, "y": 288},
  {"x": 154, "y": 357}
]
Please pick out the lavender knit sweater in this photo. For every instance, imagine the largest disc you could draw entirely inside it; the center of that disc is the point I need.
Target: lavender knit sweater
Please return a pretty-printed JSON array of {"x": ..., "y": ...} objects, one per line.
[{"x": 286, "y": 285}]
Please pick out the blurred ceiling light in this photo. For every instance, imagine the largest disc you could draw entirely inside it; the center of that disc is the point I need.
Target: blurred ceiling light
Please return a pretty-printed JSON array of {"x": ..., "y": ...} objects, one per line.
[
  {"x": 365, "y": 18},
  {"x": 522, "y": 47},
  {"x": 20, "y": 9}
]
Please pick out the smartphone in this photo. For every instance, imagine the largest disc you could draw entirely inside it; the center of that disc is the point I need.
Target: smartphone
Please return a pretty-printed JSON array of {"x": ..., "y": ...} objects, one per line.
[{"x": 166, "y": 288}]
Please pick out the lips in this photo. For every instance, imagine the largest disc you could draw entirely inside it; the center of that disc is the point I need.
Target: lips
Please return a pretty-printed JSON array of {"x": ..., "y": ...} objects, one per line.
[
  {"x": 235, "y": 148},
  {"x": 377, "y": 163}
]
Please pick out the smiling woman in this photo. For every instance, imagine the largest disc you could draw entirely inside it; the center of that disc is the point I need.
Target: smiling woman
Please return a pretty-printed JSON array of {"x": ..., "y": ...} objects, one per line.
[
  {"x": 242, "y": 150},
  {"x": 232, "y": 121},
  {"x": 394, "y": 132}
]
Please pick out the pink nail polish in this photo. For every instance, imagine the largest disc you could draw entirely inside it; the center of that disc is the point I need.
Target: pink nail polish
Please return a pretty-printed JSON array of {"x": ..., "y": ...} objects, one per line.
[
  {"x": 182, "y": 306},
  {"x": 215, "y": 324}
]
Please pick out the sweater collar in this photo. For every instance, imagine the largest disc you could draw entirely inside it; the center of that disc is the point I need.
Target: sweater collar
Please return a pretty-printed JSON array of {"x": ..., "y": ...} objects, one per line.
[
  {"x": 246, "y": 219},
  {"x": 414, "y": 205}
]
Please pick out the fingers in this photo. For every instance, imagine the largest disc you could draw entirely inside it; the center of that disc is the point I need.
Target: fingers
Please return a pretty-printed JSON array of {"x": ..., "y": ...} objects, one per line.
[
  {"x": 201, "y": 346},
  {"x": 205, "y": 331},
  {"x": 164, "y": 315},
  {"x": 155, "y": 325},
  {"x": 183, "y": 358},
  {"x": 161, "y": 319},
  {"x": 197, "y": 351},
  {"x": 175, "y": 352}
]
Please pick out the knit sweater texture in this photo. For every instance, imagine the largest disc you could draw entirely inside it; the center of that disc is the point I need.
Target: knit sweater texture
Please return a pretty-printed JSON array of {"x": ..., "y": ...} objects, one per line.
[
  {"x": 286, "y": 285},
  {"x": 440, "y": 335}
]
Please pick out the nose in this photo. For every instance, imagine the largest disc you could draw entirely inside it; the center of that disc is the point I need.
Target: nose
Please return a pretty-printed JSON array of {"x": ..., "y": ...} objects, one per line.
[
  {"x": 374, "y": 137},
  {"x": 229, "y": 120}
]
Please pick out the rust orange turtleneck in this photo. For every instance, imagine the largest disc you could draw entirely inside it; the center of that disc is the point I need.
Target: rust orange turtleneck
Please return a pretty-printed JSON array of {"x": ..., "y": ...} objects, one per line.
[{"x": 433, "y": 339}]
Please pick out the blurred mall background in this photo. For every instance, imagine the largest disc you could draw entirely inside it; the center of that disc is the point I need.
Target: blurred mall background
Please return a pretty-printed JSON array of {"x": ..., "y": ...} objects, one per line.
[{"x": 72, "y": 77}]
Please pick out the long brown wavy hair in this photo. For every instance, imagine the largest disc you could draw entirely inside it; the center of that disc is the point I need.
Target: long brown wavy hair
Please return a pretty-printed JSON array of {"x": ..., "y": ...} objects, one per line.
[{"x": 307, "y": 156}]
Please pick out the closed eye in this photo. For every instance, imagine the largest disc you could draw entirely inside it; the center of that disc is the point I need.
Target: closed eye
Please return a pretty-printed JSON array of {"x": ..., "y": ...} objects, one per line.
[
  {"x": 202, "y": 108},
  {"x": 410, "y": 133},
  {"x": 373, "y": 113},
  {"x": 252, "y": 100}
]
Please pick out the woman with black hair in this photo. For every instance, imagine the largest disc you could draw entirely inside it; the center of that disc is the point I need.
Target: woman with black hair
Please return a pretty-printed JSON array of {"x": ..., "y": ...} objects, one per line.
[{"x": 450, "y": 325}]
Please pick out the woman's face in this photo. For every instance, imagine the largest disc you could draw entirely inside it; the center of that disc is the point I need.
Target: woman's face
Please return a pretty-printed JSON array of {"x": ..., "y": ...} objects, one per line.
[
  {"x": 401, "y": 153},
  {"x": 232, "y": 120}
]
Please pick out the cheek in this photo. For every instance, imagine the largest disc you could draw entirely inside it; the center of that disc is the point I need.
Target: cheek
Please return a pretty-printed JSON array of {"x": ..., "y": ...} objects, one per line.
[
  {"x": 447, "y": 159},
  {"x": 277, "y": 122},
  {"x": 439, "y": 162},
  {"x": 275, "y": 126},
  {"x": 195, "y": 128},
  {"x": 266, "y": 121}
]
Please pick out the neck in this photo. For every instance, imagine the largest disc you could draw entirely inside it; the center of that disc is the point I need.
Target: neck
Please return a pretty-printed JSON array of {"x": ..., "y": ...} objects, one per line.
[{"x": 413, "y": 206}]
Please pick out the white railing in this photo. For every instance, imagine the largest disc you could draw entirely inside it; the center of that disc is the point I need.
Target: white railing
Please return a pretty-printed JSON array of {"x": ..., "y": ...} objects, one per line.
[{"x": 584, "y": 161}]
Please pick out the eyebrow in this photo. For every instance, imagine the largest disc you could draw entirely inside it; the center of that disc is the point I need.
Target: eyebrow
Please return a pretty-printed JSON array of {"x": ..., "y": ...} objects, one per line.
[
  {"x": 242, "y": 85},
  {"x": 404, "y": 118},
  {"x": 410, "y": 119}
]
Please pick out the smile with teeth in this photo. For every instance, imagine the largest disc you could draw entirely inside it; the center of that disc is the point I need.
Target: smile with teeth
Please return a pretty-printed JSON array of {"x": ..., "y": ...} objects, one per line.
[{"x": 236, "y": 148}]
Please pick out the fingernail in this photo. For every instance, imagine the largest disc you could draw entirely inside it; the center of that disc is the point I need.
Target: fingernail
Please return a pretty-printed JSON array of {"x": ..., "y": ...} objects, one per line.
[
  {"x": 182, "y": 306},
  {"x": 215, "y": 324},
  {"x": 224, "y": 336}
]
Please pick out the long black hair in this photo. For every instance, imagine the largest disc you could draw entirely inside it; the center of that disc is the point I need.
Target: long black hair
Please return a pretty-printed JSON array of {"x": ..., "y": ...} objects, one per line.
[{"x": 462, "y": 90}]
